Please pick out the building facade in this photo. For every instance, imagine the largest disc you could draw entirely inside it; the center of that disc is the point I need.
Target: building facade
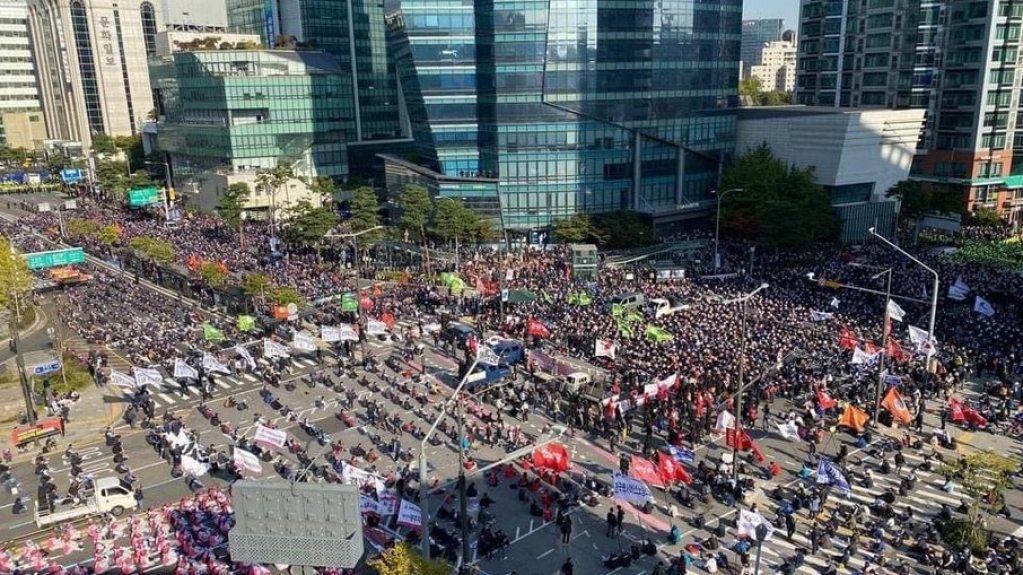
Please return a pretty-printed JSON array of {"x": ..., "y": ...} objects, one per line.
[
  {"x": 229, "y": 113},
  {"x": 777, "y": 68},
  {"x": 756, "y": 33},
  {"x": 92, "y": 64},
  {"x": 956, "y": 59},
  {"x": 18, "y": 89},
  {"x": 350, "y": 30},
  {"x": 573, "y": 106}
]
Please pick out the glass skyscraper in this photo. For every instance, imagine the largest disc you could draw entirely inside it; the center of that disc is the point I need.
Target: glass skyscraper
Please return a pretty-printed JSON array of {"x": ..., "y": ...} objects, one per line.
[{"x": 573, "y": 105}]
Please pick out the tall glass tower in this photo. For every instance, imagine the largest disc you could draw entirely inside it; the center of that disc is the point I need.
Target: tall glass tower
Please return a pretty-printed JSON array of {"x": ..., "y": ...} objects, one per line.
[{"x": 573, "y": 105}]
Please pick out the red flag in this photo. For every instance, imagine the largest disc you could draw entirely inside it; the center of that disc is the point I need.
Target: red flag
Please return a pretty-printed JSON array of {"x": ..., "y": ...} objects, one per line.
[
  {"x": 869, "y": 348},
  {"x": 847, "y": 338},
  {"x": 388, "y": 319},
  {"x": 672, "y": 470},
  {"x": 699, "y": 405},
  {"x": 645, "y": 470},
  {"x": 536, "y": 328},
  {"x": 758, "y": 455},
  {"x": 896, "y": 352},
  {"x": 366, "y": 302},
  {"x": 962, "y": 412},
  {"x": 552, "y": 456},
  {"x": 956, "y": 410},
  {"x": 745, "y": 442},
  {"x": 472, "y": 344},
  {"x": 825, "y": 400}
]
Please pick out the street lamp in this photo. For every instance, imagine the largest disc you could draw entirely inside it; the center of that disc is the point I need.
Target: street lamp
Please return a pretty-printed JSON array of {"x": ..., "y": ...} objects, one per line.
[
  {"x": 717, "y": 225},
  {"x": 934, "y": 289},
  {"x": 743, "y": 299}
]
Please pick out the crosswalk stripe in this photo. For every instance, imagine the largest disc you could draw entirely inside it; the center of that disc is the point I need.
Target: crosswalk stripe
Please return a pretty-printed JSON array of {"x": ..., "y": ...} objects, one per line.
[
  {"x": 249, "y": 377},
  {"x": 167, "y": 399},
  {"x": 221, "y": 384}
]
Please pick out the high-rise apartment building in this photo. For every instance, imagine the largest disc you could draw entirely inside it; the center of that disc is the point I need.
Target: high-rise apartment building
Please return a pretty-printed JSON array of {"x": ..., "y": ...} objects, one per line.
[
  {"x": 18, "y": 90},
  {"x": 955, "y": 58},
  {"x": 92, "y": 64},
  {"x": 573, "y": 106},
  {"x": 777, "y": 68},
  {"x": 756, "y": 33},
  {"x": 350, "y": 30}
]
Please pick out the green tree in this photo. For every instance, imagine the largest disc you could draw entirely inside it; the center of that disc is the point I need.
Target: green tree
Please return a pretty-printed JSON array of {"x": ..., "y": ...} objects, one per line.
[
  {"x": 365, "y": 208},
  {"x": 80, "y": 227},
  {"x": 15, "y": 277},
  {"x": 622, "y": 229},
  {"x": 453, "y": 221},
  {"x": 414, "y": 205},
  {"x": 983, "y": 477},
  {"x": 270, "y": 180},
  {"x": 256, "y": 285},
  {"x": 573, "y": 229},
  {"x": 212, "y": 273},
  {"x": 307, "y": 224},
  {"x": 985, "y": 217},
  {"x": 325, "y": 187},
  {"x": 751, "y": 87},
  {"x": 57, "y": 162},
  {"x": 283, "y": 295},
  {"x": 152, "y": 248},
  {"x": 402, "y": 559},
  {"x": 775, "y": 98},
  {"x": 232, "y": 204},
  {"x": 104, "y": 144},
  {"x": 921, "y": 198},
  {"x": 109, "y": 235},
  {"x": 779, "y": 204}
]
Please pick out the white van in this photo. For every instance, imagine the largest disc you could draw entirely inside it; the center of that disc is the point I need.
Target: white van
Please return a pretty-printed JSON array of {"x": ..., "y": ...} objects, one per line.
[{"x": 629, "y": 300}]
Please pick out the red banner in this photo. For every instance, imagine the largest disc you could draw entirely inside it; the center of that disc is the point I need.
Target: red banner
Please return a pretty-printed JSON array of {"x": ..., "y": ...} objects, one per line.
[
  {"x": 44, "y": 428},
  {"x": 672, "y": 470},
  {"x": 552, "y": 456},
  {"x": 847, "y": 338},
  {"x": 537, "y": 329},
  {"x": 644, "y": 469}
]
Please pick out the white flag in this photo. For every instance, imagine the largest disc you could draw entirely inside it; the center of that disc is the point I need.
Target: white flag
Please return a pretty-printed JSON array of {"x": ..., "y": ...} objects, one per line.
[
  {"x": 958, "y": 290},
  {"x": 895, "y": 311},
  {"x": 632, "y": 490},
  {"x": 303, "y": 341},
  {"x": 374, "y": 327},
  {"x": 605, "y": 348},
  {"x": 122, "y": 380},
  {"x": 247, "y": 460},
  {"x": 834, "y": 302},
  {"x": 409, "y": 514},
  {"x": 820, "y": 315},
  {"x": 244, "y": 354},
  {"x": 192, "y": 466},
  {"x": 273, "y": 349},
  {"x": 182, "y": 369},
  {"x": 272, "y": 437},
  {"x": 329, "y": 333},
  {"x": 486, "y": 355},
  {"x": 147, "y": 375},
  {"x": 725, "y": 421},
  {"x": 789, "y": 430},
  {"x": 917, "y": 335},
  {"x": 213, "y": 364},
  {"x": 748, "y": 521},
  {"x": 983, "y": 307},
  {"x": 861, "y": 357}
]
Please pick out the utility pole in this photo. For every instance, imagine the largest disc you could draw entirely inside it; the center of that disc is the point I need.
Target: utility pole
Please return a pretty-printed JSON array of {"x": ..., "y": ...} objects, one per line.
[{"x": 26, "y": 388}]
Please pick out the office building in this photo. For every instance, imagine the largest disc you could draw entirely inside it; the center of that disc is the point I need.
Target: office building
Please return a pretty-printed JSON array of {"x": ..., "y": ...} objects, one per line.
[
  {"x": 560, "y": 107},
  {"x": 855, "y": 155},
  {"x": 92, "y": 68},
  {"x": 350, "y": 30},
  {"x": 199, "y": 15},
  {"x": 756, "y": 33},
  {"x": 18, "y": 90},
  {"x": 225, "y": 114},
  {"x": 956, "y": 59},
  {"x": 777, "y": 68},
  {"x": 23, "y": 129}
]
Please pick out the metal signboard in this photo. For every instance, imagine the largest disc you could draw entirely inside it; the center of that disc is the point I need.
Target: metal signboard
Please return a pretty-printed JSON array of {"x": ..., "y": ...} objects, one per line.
[
  {"x": 71, "y": 176},
  {"x": 299, "y": 524},
  {"x": 54, "y": 259},
  {"x": 143, "y": 197},
  {"x": 45, "y": 368}
]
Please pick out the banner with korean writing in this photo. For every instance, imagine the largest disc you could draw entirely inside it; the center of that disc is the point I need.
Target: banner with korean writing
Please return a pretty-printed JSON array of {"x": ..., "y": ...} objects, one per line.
[
  {"x": 631, "y": 490},
  {"x": 272, "y": 437},
  {"x": 409, "y": 514}
]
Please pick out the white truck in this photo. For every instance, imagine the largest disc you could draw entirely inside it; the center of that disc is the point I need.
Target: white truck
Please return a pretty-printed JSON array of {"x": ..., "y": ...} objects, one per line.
[
  {"x": 109, "y": 496},
  {"x": 660, "y": 307}
]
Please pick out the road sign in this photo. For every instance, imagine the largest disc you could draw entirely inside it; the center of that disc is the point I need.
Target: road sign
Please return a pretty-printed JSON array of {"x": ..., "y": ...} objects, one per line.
[
  {"x": 54, "y": 259},
  {"x": 143, "y": 197},
  {"x": 71, "y": 176},
  {"x": 45, "y": 368}
]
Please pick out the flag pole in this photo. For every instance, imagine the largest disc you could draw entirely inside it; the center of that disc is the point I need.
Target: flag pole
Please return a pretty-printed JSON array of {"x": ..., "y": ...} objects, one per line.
[{"x": 885, "y": 330}]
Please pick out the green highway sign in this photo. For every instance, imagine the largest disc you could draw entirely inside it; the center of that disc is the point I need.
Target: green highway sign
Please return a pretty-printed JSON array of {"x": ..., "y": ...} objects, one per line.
[
  {"x": 55, "y": 259},
  {"x": 143, "y": 197}
]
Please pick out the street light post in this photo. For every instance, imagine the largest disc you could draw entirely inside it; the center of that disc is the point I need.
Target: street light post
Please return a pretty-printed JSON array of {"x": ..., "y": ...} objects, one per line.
[
  {"x": 717, "y": 225},
  {"x": 760, "y": 533},
  {"x": 885, "y": 330},
  {"x": 26, "y": 387},
  {"x": 934, "y": 289},
  {"x": 740, "y": 388}
]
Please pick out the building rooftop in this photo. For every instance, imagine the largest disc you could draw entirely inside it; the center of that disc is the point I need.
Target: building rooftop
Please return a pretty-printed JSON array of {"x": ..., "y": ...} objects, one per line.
[{"x": 798, "y": 110}]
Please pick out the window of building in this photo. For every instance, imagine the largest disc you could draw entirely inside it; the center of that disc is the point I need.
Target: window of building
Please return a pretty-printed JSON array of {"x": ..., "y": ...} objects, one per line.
[
  {"x": 879, "y": 21},
  {"x": 993, "y": 141},
  {"x": 148, "y": 27},
  {"x": 87, "y": 67},
  {"x": 1007, "y": 32}
]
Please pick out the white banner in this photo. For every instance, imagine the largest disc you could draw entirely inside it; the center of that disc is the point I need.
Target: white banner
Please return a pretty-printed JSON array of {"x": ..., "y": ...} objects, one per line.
[
  {"x": 388, "y": 503},
  {"x": 122, "y": 380},
  {"x": 746, "y": 525},
  {"x": 329, "y": 333},
  {"x": 273, "y": 349},
  {"x": 192, "y": 466},
  {"x": 650, "y": 390},
  {"x": 348, "y": 332},
  {"x": 668, "y": 382},
  {"x": 605, "y": 348},
  {"x": 213, "y": 364},
  {"x": 146, "y": 375},
  {"x": 409, "y": 514},
  {"x": 272, "y": 437},
  {"x": 247, "y": 460},
  {"x": 789, "y": 430},
  {"x": 725, "y": 422},
  {"x": 368, "y": 506},
  {"x": 303, "y": 341},
  {"x": 487, "y": 356},
  {"x": 374, "y": 327},
  {"x": 632, "y": 490},
  {"x": 182, "y": 369},
  {"x": 431, "y": 327},
  {"x": 244, "y": 354}
]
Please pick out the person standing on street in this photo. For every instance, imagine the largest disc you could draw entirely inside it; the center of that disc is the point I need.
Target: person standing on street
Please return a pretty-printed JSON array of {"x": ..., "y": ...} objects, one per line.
[
  {"x": 620, "y": 519},
  {"x": 612, "y": 521},
  {"x": 567, "y": 568},
  {"x": 566, "y": 530}
]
